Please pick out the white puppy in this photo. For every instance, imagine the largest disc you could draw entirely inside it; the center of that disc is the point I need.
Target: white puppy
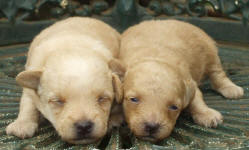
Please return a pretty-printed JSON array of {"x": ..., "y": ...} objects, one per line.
[{"x": 70, "y": 78}]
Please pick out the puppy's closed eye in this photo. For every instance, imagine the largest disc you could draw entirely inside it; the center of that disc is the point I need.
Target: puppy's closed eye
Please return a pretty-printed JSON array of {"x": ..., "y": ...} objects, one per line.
[
  {"x": 103, "y": 99},
  {"x": 57, "y": 101}
]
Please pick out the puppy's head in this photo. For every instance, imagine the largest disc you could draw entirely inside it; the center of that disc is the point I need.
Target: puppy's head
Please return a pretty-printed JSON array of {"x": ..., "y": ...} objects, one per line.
[
  {"x": 75, "y": 96},
  {"x": 154, "y": 96}
]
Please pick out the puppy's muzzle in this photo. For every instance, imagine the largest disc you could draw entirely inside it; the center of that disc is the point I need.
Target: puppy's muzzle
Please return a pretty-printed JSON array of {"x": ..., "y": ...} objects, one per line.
[
  {"x": 151, "y": 128},
  {"x": 150, "y": 131},
  {"x": 83, "y": 129}
]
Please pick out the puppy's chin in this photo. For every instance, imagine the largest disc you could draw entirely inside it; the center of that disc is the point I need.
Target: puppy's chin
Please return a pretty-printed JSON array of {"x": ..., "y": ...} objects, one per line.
[
  {"x": 82, "y": 141},
  {"x": 154, "y": 138},
  {"x": 148, "y": 138}
]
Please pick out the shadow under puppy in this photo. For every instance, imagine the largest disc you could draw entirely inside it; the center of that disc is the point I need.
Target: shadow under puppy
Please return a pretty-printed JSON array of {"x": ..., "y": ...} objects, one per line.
[
  {"x": 165, "y": 62},
  {"x": 68, "y": 78}
]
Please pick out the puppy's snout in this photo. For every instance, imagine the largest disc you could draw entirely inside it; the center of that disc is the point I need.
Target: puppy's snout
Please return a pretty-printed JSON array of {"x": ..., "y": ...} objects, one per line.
[
  {"x": 151, "y": 128},
  {"x": 83, "y": 129}
]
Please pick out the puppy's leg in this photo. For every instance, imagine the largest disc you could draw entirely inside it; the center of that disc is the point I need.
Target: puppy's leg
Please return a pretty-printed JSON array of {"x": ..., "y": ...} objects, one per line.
[
  {"x": 221, "y": 83},
  {"x": 202, "y": 114},
  {"x": 27, "y": 121}
]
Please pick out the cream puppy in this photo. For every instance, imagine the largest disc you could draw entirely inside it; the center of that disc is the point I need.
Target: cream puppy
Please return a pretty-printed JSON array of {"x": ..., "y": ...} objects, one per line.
[
  {"x": 165, "y": 62},
  {"x": 70, "y": 78}
]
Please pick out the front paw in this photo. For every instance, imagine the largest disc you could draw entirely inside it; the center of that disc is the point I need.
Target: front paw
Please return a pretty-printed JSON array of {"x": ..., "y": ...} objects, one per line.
[
  {"x": 208, "y": 118},
  {"x": 22, "y": 128}
]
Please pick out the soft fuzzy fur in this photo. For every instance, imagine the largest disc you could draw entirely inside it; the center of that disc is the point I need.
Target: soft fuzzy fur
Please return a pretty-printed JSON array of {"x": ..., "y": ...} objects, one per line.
[
  {"x": 69, "y": 79},
  {"x": 165, "y": 62}
]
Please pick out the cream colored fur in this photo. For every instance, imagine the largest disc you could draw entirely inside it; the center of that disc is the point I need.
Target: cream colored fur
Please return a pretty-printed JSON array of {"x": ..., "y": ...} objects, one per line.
[
  {"x": 68, "y": 79},
  {"x": 165, "y": 62}
]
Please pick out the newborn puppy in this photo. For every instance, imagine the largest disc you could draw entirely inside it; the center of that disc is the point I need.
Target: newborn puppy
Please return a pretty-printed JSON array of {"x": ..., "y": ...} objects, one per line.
[
  {"x": 70, "y": 80},
  {"x": 165, "y": 62}
]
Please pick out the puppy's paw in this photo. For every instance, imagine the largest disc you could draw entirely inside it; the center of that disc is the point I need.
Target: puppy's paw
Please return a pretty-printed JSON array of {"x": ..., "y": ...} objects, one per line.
[
  {"x": 232, "y": 91},
  {"x": 22, "y": 128},
  {"x": 208, "y": 118}
]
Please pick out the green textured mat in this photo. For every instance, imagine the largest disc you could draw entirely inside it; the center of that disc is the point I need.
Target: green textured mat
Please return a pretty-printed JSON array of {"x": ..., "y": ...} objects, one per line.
[{"x": 232, "y": 134}]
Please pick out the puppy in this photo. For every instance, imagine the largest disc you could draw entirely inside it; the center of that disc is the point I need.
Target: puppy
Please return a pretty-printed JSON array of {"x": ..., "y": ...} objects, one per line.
[
  {"x": 165, "y": 62},
  {"x": 70, "y": 80}
]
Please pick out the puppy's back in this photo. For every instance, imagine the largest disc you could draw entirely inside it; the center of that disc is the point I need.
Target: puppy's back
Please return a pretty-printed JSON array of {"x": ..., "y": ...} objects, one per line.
[
  {"x": 79, "y": 25},
  {"x": 75, "y": 27},
  {"x": 173, "y": 41}
]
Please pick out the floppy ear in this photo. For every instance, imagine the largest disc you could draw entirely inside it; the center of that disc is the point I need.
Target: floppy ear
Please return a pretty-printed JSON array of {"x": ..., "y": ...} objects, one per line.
[
  {"x": 118, "y": 88},
  {"x": 118, "y": 71},
  {"x": 29, "y": 79},
  {"x": 190, "y": 88},
  {"x": 117, "y": 67}
]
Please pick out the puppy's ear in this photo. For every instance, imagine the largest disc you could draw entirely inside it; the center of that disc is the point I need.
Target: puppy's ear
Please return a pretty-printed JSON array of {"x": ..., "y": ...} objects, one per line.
[
  {"x": 118, "y": 71},
  {"x": 190, "y": 88},
  {"x": 118, "y": 88},
  {"x": 29, "y": 79},
  {"x": 117, "y": 67}
]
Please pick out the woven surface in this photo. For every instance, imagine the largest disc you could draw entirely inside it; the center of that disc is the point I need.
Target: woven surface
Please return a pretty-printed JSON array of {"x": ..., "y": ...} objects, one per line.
[{"x": 232, "y": 134}]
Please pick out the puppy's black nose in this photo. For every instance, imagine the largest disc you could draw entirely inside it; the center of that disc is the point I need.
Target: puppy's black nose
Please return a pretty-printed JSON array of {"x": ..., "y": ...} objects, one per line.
[
  {"x": 83, "y": 129},
  {"x": 151, "y": 128}
]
